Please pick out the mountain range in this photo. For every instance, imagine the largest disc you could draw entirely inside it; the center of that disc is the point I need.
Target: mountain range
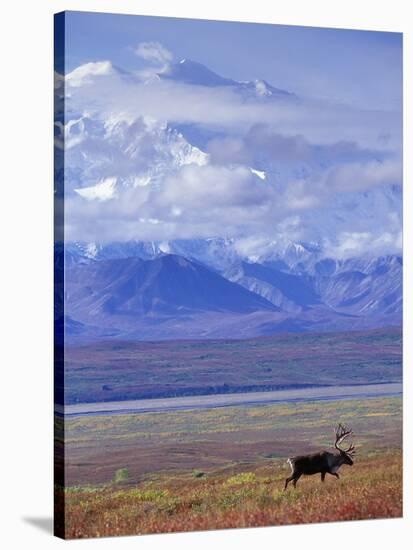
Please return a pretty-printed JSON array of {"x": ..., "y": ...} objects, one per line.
[
  {"x": 173, "y": 297},
  {"x": 216, "y": 286}
]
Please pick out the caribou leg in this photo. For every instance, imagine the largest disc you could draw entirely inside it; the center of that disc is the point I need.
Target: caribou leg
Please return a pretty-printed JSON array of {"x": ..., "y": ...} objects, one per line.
[
  {"x": 323, "y": 475},
  {"x": 335, "y": 474},
  {"x": 287, "y": 481},
  {"x": 296, "y": 478}
]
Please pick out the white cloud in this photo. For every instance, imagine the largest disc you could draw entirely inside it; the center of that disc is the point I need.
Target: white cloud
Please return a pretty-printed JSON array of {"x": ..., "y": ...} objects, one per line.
[
  {"x": 324, "y": 188},
  {"x": 200, "y": 201},
  {"x": 154, "y": 52},
  {"x": 196, "y": 201},
  {"x": 224, "y": 108},
  {"x": 254, "y": 246},
  {"x": 317, "y": 160},
  {"x": 362, "y": 176},
  {"x": 300, "y": 195},
  {"x": 262, "y": 141},
  {"x": 353, "y": 244}
]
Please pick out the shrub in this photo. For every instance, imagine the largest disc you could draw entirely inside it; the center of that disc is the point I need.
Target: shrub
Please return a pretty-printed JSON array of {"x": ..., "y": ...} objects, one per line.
[
  {"x": 121, "y": 475},
  {"x": 149, "y": 495},
  {"x": 239, "y": 479}
]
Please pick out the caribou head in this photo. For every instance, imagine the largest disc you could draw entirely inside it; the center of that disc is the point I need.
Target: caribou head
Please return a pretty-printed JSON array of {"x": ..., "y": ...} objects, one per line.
[{"x": 346, "y": 455}]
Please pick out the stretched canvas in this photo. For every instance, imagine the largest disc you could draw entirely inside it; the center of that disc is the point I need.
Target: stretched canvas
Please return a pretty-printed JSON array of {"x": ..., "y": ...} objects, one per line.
[{"x": 228, "y": 274}]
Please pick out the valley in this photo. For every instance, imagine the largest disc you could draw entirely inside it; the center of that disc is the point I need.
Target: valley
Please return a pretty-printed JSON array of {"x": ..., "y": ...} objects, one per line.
[{"x": 124, "y": 370}]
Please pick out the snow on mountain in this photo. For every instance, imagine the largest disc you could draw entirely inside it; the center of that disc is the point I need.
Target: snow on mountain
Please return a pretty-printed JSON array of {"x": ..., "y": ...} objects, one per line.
[
  {"x": 323, "y": 277},
  {"x": 96, "y": 71},
  {"x": 102, "y": 191},
  {"x": 298, "y": 281},
  {"x": 136, "y": 151},
  {"x": 85, "y": 73},
  {"x": 259, "y": 173},
  {"x": 134, "y": 154},
  {"x": 191, "y": 72},
  {"x": 196, "y": 74}
]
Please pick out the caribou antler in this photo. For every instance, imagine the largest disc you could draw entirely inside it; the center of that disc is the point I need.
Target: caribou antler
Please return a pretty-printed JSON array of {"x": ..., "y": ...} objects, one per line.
[
  {"x": 351, "y": 450},
  {"x": 341, "y": 433}
]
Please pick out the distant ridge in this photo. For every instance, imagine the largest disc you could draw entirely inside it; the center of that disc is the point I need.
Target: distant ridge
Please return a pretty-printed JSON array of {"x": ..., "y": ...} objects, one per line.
[{"x": 173, "y": 297}]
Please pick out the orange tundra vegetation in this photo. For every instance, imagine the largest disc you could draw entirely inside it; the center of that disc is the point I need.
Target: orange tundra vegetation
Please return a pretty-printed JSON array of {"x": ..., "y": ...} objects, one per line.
[{"x": 243, "y": 498}]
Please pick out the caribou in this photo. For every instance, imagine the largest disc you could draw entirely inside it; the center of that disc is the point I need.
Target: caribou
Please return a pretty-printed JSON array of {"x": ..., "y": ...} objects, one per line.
[{"x": 323, "y": 462}]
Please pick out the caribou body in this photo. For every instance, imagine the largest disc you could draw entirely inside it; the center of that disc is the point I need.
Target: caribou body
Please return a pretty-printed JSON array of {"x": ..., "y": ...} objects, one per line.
[{"x": 323, "y": 462}]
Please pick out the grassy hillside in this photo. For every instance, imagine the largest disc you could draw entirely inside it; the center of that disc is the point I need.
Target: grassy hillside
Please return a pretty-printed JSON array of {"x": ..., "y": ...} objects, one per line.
[
  {"x": 251, "y": 498},
  {"x": 108, "y": 371},
  {"x": 221, "y": 468}
]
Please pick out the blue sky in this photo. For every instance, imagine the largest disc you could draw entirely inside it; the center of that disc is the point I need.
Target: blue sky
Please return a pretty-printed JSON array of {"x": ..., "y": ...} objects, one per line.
[{"x": 363, "y": 68}]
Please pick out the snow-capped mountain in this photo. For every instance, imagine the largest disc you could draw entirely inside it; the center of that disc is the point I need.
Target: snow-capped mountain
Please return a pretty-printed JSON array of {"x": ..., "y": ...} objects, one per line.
[
  {"x": 308, "y": 260},
  {"x": 105, "y": 154},
  {"x": 191, "y": 72}
]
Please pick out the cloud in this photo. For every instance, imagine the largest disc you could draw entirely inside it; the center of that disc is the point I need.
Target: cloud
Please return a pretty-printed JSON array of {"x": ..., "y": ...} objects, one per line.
[
  {"x": 360, "y": 177},
  {"x": 302, "y": 196},
  {"x": 197, "y": 201},
  {"x": 223, "y": 108},
  {"x": 353, "y": 244},
  {"x": 329, "y": 175},
  {"x": 154, "y": 52},
  {"x": 262, "y": 143},
  {"x": 324, "y": 186},
  {"x": 230, "y": 201}
]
